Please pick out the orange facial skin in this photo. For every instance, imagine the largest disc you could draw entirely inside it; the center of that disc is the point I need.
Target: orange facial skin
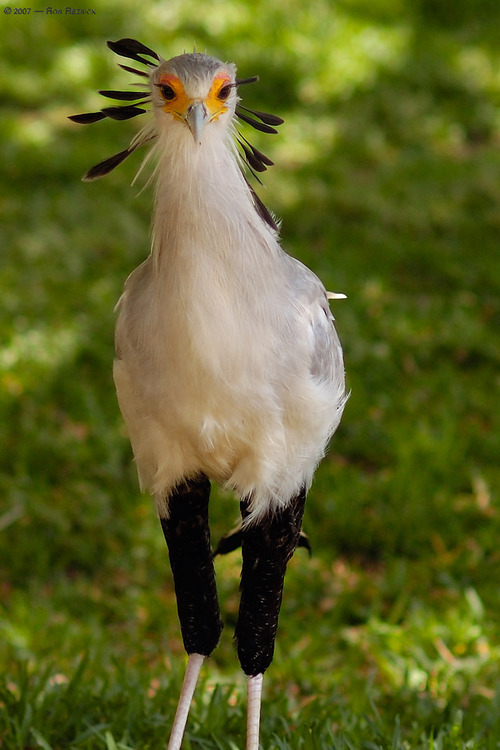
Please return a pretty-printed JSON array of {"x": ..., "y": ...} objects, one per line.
[{"x": 177, "y": 102}]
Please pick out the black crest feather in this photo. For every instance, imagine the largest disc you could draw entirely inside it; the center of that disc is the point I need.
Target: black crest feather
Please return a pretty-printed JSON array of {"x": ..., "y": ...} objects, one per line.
[
  {"x": 262, "y": 210},
  {"x": 87, "y": 118},
  {"x": 263, "y": 116},
  {"x": 256, "y": 159},
  {"x": 242, "y": 81},
  {"x": 107, "y": 165},
  {"x": 255, "y": 123},
  {"x": 133, "y": 49},
  {"x": 122, "y": 113},
  {"x": 251, "y": 157},
  {"x": 125, "y": 96},
  {"x": 134, "y": 70}
]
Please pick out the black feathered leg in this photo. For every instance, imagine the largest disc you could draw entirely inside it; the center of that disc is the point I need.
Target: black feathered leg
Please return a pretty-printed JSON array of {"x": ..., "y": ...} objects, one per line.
[
  {"x": 267, "y": 547},
  {"x": 187, "y": 535}
]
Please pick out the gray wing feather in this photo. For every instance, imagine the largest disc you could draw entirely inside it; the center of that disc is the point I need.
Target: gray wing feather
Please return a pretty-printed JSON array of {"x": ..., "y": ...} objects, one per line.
[{"x": 326, "y": 361}]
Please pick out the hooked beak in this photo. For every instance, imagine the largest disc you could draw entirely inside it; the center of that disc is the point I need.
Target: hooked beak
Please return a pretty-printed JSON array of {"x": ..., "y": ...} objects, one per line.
[{"x": 196, "y": 119}]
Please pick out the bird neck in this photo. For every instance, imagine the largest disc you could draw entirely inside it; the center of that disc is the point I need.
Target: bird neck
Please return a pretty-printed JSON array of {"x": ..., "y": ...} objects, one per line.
[{"x": 203, "y": 206}]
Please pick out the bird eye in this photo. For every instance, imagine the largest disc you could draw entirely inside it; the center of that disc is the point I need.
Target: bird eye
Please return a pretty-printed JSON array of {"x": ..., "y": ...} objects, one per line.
[
  {"x": 224, "y": 92},
  {"x": 167, "y": 92}
]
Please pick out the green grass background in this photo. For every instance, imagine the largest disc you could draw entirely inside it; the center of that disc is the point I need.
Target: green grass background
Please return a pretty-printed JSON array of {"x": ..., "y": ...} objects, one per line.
[{"x": 387, "y": 179}]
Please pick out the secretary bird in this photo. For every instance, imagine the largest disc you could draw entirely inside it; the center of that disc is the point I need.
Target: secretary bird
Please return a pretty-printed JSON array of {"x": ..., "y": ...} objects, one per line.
[{"x": 228, "y": 366}]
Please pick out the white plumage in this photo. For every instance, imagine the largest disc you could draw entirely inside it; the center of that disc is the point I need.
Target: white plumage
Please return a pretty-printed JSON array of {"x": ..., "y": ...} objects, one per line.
[{"x": 227, "y": 358}]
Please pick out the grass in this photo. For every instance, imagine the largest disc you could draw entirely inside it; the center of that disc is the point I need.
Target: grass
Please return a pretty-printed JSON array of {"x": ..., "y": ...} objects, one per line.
[{"x": 387, "y": 181}]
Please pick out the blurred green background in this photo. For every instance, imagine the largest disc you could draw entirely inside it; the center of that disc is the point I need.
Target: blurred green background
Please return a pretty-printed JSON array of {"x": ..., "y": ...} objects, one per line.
[{"x": 387, "y": 180}]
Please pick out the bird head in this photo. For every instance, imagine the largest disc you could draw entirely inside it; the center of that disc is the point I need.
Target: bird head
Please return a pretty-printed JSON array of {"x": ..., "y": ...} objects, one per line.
[
  {"x": 194, "y": 90},
  {"x": 189, "y": 93}
]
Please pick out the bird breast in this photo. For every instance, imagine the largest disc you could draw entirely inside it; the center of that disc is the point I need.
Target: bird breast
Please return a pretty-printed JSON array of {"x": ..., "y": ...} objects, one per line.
[{"x": 217, "y": 344}]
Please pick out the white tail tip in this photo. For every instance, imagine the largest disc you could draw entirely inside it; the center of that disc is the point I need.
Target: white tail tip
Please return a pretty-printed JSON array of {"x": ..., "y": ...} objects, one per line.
[{"x": 336, "y": 295}]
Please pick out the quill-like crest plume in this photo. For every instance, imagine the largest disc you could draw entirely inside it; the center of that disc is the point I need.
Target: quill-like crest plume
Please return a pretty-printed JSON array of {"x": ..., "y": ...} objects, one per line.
[{"x": 134, "y": 103}]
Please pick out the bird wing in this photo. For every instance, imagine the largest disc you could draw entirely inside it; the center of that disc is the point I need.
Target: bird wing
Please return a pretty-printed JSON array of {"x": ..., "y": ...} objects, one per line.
[{"x": 324, "y": 348}]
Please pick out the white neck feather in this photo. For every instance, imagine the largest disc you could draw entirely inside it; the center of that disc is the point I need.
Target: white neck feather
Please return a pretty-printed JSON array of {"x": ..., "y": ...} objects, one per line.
[{"x": 203, "y": 202}]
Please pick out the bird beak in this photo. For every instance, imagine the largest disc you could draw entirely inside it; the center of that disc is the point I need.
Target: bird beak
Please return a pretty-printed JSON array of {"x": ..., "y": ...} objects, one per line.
[{"x": 196, "y": 118}]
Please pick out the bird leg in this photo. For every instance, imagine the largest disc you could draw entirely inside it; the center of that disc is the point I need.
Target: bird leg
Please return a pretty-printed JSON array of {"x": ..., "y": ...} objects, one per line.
[
  {"x": 194, "y": 665},
  {"x": 267, "y": 546},
  {"x": 254, "y": 699},
  {"x": 187, "y": 535}
]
